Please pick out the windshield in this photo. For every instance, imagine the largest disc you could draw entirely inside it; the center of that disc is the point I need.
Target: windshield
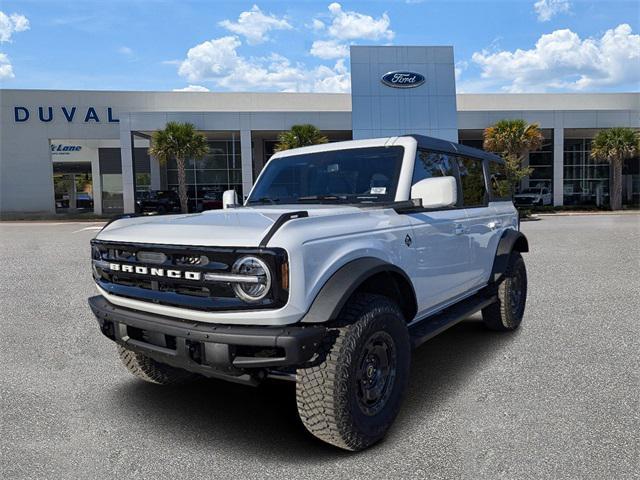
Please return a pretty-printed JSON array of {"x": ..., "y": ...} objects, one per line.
[
  {"x": 531, "y": 190},
  {"x": 357, "y": 175}
]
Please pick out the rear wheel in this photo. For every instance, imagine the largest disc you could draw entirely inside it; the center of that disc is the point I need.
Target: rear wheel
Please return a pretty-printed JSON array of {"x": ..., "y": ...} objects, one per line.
[
  {"x": 353, "y": 396},
  {"x": 507, "y": 312},
  {"x": 150, "y": 370}
]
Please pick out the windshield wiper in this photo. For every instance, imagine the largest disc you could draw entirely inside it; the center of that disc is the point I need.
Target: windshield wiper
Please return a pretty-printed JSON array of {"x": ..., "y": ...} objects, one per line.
[
  {"x": 311, "y": 198},
  {"x": 263, "y": 200}
]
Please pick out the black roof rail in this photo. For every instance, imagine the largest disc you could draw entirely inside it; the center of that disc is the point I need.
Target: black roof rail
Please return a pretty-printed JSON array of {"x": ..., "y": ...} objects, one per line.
[{"x": 445, "y": 146}]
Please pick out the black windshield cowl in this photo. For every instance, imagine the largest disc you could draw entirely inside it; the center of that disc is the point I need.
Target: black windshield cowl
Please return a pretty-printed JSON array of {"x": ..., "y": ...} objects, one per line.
[{"x": 263, "y": 200}]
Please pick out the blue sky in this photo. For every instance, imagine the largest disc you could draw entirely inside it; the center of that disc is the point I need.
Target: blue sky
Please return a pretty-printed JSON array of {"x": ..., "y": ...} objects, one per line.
[{"x": 500, "y": 46}]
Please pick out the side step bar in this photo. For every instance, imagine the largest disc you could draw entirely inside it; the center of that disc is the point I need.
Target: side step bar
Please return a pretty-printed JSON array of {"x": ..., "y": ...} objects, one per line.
[{"x": 431, "y": 326}]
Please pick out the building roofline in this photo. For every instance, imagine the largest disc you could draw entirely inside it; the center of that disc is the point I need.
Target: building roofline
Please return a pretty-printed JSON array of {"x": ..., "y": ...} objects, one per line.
[{"x": 547, "y": 101}]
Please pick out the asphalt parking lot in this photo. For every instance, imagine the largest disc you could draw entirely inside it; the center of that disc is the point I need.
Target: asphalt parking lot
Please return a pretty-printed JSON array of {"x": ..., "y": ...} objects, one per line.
[{"x": 560, "y": 398}]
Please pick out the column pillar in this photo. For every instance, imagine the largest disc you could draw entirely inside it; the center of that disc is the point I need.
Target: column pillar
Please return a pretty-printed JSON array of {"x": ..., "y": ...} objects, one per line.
[
  {"x": 246, "y": 161},
  {"x": 96, "y": 183},
  {"x": 558, "y": 165},
  {"x": 126, "y": 157}
]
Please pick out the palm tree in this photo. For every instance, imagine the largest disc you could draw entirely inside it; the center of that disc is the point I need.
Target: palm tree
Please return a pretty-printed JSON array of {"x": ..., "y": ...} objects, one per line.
[
  {"x": 300, "y": 136},
  {"x": 615, "y": 145},
  {"x": 513, "y": 140},
  {"x": 179, "y": 141}
]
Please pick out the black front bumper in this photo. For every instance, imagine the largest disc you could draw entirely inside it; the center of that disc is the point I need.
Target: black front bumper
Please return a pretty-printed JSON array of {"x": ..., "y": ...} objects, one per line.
[{"x": 239, "y": 353}]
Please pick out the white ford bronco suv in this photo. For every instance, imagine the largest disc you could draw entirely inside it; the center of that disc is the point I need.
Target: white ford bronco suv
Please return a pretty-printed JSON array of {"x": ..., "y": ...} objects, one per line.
[{"x": 343, "y": 258}]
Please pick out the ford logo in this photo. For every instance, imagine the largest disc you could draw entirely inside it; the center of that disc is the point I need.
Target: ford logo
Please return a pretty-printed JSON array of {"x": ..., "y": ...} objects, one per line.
[{"x": 402, "y": 79}]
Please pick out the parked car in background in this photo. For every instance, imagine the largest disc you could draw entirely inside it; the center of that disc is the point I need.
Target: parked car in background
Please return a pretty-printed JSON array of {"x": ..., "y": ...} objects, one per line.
[
  {"x": 84, "y": 200},
  {"x": 537, "y": 196},
  {"x": 62, "y": 200},
  {"x": 140, "y": 197},
  {"x": 158, "y": 201},
  {"x": 211, "y": 200}
]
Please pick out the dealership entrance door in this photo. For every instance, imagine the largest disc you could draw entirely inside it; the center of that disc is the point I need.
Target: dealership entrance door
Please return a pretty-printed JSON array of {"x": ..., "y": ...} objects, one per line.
[{"x": 73, "y": 187}]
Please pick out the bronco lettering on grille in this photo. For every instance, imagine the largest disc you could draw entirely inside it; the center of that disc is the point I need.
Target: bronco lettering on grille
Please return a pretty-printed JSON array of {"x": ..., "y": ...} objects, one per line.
[{"x": 155, "y": 272}]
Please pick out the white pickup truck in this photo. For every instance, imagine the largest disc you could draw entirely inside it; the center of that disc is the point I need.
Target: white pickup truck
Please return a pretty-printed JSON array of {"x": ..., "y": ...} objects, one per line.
[{"x": 343, "y": 258}]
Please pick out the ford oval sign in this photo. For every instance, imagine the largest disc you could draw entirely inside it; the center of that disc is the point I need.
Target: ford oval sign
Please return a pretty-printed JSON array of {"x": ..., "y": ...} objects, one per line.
[{"x": 402, "y": 79}]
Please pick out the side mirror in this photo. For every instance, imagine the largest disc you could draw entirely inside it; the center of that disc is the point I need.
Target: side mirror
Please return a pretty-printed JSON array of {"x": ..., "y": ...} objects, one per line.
[
  {"x": 436, "y": 192},
  {"x": 229, "y": 198}
]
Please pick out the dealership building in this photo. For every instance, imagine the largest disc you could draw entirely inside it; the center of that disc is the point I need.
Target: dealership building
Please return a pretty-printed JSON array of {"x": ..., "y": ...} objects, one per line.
[{"x": 68, "y": 151}]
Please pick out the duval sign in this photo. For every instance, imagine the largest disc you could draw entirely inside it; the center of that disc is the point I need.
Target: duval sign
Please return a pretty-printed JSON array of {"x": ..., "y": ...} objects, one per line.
[
  {"x": 401, "y": 79},
  {"x": 67, "y": 113}
]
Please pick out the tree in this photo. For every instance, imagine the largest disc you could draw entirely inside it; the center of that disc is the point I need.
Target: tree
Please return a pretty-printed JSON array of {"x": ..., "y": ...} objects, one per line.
[
  {"x": 300, "y": 136},
  {"x": 615, "y": 145},
  {"x": 179, "y": 141},
  {"x": 513, "y": 140}
]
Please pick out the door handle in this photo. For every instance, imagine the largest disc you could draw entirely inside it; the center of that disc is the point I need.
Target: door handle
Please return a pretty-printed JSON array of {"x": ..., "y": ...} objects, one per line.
[{"x": 459, "y": 229}]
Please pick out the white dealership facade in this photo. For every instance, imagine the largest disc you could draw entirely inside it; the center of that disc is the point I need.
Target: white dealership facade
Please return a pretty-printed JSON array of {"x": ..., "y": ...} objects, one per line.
[{"x": 66, "y": 151}]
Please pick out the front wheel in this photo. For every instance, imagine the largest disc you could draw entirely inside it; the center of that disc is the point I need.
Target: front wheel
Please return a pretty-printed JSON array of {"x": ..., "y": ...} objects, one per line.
[
  {"x": 353, "y": 396},
  {"x": 507, "y": 312}
]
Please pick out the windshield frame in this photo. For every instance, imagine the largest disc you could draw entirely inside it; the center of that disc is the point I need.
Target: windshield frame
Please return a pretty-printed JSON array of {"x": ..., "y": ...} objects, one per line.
[{"x": 403, "y": 180}]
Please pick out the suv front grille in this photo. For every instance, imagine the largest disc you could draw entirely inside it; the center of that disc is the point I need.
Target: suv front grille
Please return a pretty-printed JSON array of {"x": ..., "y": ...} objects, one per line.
[{"x": 174, "y": 275}]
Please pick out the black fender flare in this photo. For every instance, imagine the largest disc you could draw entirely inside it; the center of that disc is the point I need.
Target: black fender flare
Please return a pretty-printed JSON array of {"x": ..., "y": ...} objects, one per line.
[
  {"x": 334, "y": 294},
  {"x": 511, "y": 240}
]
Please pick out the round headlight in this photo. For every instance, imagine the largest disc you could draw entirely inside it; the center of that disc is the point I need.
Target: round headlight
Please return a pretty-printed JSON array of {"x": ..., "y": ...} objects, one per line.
[{"x": 252, "y": 291}]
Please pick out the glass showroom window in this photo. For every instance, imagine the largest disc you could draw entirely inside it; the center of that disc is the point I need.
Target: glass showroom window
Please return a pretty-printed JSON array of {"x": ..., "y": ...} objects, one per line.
[
  {"x": 586, "y": 181},
  {"x": 209, "y": 177},
  {"x": 541, "y": 161}
]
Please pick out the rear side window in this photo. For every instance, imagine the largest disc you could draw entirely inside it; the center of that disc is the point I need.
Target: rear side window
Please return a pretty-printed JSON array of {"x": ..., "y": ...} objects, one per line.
[
  {"x": 432, "y": 164},
  {"x": 498, "y": 183},
  {"x": 472, "y": 181}
]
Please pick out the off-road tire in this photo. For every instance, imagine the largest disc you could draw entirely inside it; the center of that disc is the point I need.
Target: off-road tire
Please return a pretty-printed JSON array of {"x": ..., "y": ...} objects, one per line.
[
  {"x": 150, "y": 370},
  {"x": 330, "y": 394},
  {"x": 506, "y": 313}
]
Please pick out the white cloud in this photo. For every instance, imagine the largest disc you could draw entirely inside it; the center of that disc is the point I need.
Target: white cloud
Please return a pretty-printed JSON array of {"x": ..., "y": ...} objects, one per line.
[
  {"x": 349, "y": 25},
  {"x": 192, "y": 88},
  {"x": 328, "y": 49},
  {"x": 317, "y": 25},
  {"x": 562, "y": 60},
  {"x": 547, "y": 9},
  {"x": 254, "y": 25},
  {"x": 125, "y": 51},
  {"x": 219, "y": 62},
  {"x": 10, "y": 24},
  {"x": 332, "y": 80},
  {"x": 6, "y": 69},
  {"x": 346, "y": 26},
  {"x": 210, "y": 59}
]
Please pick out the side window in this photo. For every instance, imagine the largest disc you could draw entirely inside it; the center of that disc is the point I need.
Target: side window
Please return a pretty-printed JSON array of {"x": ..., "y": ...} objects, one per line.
[
  {"x": 472, "y": 181},
  {"x": 498, "y": 183},
  {"x": 432, "y": 164}
]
